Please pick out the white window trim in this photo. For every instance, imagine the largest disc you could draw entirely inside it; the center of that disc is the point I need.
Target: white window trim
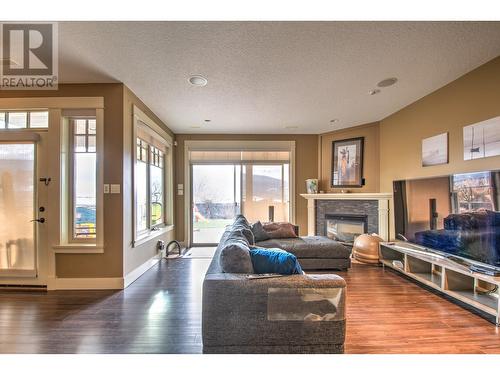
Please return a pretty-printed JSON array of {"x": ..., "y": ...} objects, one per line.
[
  {"x": 140, "y": 119},
  {"x": 66, "y": 240},
  {"x": 233, "y": 145},
  {"x": 71, "y": 239}
]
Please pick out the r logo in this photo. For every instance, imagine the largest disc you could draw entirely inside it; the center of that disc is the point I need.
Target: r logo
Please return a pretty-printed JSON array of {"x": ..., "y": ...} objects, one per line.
[
  {"x": 27, "y": 49},
  {"x": 29, "y": 56}
]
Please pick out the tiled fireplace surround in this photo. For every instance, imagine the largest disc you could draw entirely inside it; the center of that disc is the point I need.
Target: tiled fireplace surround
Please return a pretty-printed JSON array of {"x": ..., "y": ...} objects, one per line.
[
  {"x": 346, "y": 207},
  {"x": 374, "y": 205}
]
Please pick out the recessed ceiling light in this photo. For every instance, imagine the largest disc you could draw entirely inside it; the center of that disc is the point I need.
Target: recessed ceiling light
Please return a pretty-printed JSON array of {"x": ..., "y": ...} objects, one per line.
[
  {"x": 387, "y": 82},
  {"x": 198, "y": 80},
  {"x": 374, "y": 92},
  {"x": 334, "y": 120},
  {"x": 208, "y": 120}
]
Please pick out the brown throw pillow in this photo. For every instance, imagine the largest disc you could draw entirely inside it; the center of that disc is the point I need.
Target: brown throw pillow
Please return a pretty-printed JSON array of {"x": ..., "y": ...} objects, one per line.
[{"x": 280, "y": 230}]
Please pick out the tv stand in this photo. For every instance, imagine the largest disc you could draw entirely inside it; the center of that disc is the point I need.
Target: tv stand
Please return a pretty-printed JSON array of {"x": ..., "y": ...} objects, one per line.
[{"x": 440, "y": 273}]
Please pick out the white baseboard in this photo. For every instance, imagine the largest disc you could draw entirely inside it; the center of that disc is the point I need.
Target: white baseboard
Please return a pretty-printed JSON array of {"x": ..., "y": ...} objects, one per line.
[
  {"x": 62, "y": 283},
  {"x": 139, "y": 271}
]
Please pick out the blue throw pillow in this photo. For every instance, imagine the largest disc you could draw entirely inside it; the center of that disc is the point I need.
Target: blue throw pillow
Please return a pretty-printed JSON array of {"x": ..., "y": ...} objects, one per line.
[{"x": 274, "y": 261}]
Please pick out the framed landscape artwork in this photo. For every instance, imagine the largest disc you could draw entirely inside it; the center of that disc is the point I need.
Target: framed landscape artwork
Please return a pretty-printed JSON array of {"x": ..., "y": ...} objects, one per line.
[
  {"x": 435, "y": 150},
  {"x": 347, "y": 162},
  {"x": 482, "y": 140}
]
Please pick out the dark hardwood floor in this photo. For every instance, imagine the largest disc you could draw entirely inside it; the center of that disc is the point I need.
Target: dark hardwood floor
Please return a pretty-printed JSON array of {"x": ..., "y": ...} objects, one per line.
[{"x": 161, "y": 312}]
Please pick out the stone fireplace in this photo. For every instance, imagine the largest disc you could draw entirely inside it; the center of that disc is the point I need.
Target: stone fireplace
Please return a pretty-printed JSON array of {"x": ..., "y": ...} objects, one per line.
[{"x": 347, "y": 215}]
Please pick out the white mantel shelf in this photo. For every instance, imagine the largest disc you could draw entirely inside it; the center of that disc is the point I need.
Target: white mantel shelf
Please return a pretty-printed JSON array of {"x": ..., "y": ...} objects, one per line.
[{"x": 383, "y": 208}]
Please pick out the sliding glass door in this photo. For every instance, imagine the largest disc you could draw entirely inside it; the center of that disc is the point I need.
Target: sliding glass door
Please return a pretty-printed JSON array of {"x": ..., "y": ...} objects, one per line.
[
  {"x": 260, "y": 190},
  {"x": 216, "y": 199},
  {"x": 266, "y": 192}
]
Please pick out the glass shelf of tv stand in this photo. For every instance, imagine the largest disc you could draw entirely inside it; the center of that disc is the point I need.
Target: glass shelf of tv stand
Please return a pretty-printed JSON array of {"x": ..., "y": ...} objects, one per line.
[{"x": 440, "y": 273}]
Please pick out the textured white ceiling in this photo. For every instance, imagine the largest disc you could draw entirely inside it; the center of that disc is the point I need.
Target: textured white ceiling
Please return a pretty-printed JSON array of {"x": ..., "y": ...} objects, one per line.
[{"x": 266, "y": 77}]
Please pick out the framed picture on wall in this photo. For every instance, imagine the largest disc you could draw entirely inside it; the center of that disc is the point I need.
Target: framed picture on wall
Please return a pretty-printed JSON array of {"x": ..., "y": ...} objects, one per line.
[
  {"x": 435, "y": 150},
  {"x": 482, "y": 140},
  {"x": 347, "y": 162}
]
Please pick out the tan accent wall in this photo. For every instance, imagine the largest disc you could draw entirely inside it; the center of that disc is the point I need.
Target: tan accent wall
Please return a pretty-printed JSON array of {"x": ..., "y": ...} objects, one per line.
[
  {"x": 371, "y": 155},
  {"x": 306, "y": 166},
  {"x": 108, "y": 264},
  {"x": 136, "y": 256},
  {"x": 471, "y": 98}
]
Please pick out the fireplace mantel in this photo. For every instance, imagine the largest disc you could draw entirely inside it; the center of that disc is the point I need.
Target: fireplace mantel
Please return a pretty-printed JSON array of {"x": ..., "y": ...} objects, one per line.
[{"x": 383, "y": 208}]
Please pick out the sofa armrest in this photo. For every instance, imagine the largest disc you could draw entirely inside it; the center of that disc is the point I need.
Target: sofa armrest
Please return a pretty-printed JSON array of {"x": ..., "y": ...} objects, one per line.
[
  {"x": 292, "y": 281},
  {"x": 299, "y": 309}
]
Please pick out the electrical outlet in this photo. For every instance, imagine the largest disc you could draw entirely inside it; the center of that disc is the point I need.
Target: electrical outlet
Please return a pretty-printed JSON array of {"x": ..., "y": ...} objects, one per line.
[
  {"x": 115, "y": 188},
  {"x": 106, "y": 188}
]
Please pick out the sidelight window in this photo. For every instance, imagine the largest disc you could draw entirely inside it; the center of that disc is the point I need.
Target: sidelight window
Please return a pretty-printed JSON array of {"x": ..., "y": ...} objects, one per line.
[{"x": 83, "y": 170}]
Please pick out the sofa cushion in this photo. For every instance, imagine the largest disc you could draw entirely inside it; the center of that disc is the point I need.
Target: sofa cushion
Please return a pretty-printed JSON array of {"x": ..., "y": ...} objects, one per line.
[
  {"x": 274, "y": 261},
  {"x": 259, "y": 233},
  {"x": 280, "y": 230},
  {"x": 309, "y": 247},
  {"x": 241, "y": 220},
  {"x": 247, "y": 232},
  {"x": 235, "y": 254}
]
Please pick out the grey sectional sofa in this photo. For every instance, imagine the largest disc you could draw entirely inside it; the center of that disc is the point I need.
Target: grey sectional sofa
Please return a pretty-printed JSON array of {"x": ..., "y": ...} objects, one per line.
[{"x": 286, "y": 314}]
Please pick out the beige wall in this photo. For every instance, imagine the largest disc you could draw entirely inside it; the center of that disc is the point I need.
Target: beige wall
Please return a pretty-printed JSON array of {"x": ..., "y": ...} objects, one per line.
[
  {"x": 306, "y": 166},
  {"x": 135, "y": 256},
  {"x": 371, "y": 172},
  {"x": 471, "y": 98}
]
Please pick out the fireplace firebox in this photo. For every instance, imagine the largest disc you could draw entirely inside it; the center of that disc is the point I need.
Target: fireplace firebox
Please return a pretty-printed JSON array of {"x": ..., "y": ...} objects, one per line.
[{"x": 345, "y": 227}]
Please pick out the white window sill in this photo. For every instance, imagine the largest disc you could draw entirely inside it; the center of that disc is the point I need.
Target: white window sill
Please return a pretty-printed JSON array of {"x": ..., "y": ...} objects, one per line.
[
  {"x": 78, "y": 248},
  {"x": 152, "y": 234}
]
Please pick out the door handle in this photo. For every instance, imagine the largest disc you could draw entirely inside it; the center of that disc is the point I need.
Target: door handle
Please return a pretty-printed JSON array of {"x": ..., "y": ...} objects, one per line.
[{"x": 41, "y": 220}]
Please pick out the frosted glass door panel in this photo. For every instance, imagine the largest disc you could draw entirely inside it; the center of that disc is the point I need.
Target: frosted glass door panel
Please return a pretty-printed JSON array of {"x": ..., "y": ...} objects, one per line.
[{"x": 17, "y": 237}]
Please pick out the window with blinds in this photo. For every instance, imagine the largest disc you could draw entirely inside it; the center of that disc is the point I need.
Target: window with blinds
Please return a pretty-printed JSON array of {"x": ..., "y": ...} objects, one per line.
[
  {"x": 239, "y": 156},
  {"x": 258, "y": 186}
]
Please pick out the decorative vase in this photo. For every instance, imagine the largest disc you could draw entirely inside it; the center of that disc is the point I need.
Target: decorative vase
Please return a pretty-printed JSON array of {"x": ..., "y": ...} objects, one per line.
[{"x": 312, "y": 186}]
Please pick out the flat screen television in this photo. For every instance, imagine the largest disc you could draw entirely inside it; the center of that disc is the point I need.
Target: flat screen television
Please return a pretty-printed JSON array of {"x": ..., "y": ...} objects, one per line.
[{"x": 455, "y": 214}]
